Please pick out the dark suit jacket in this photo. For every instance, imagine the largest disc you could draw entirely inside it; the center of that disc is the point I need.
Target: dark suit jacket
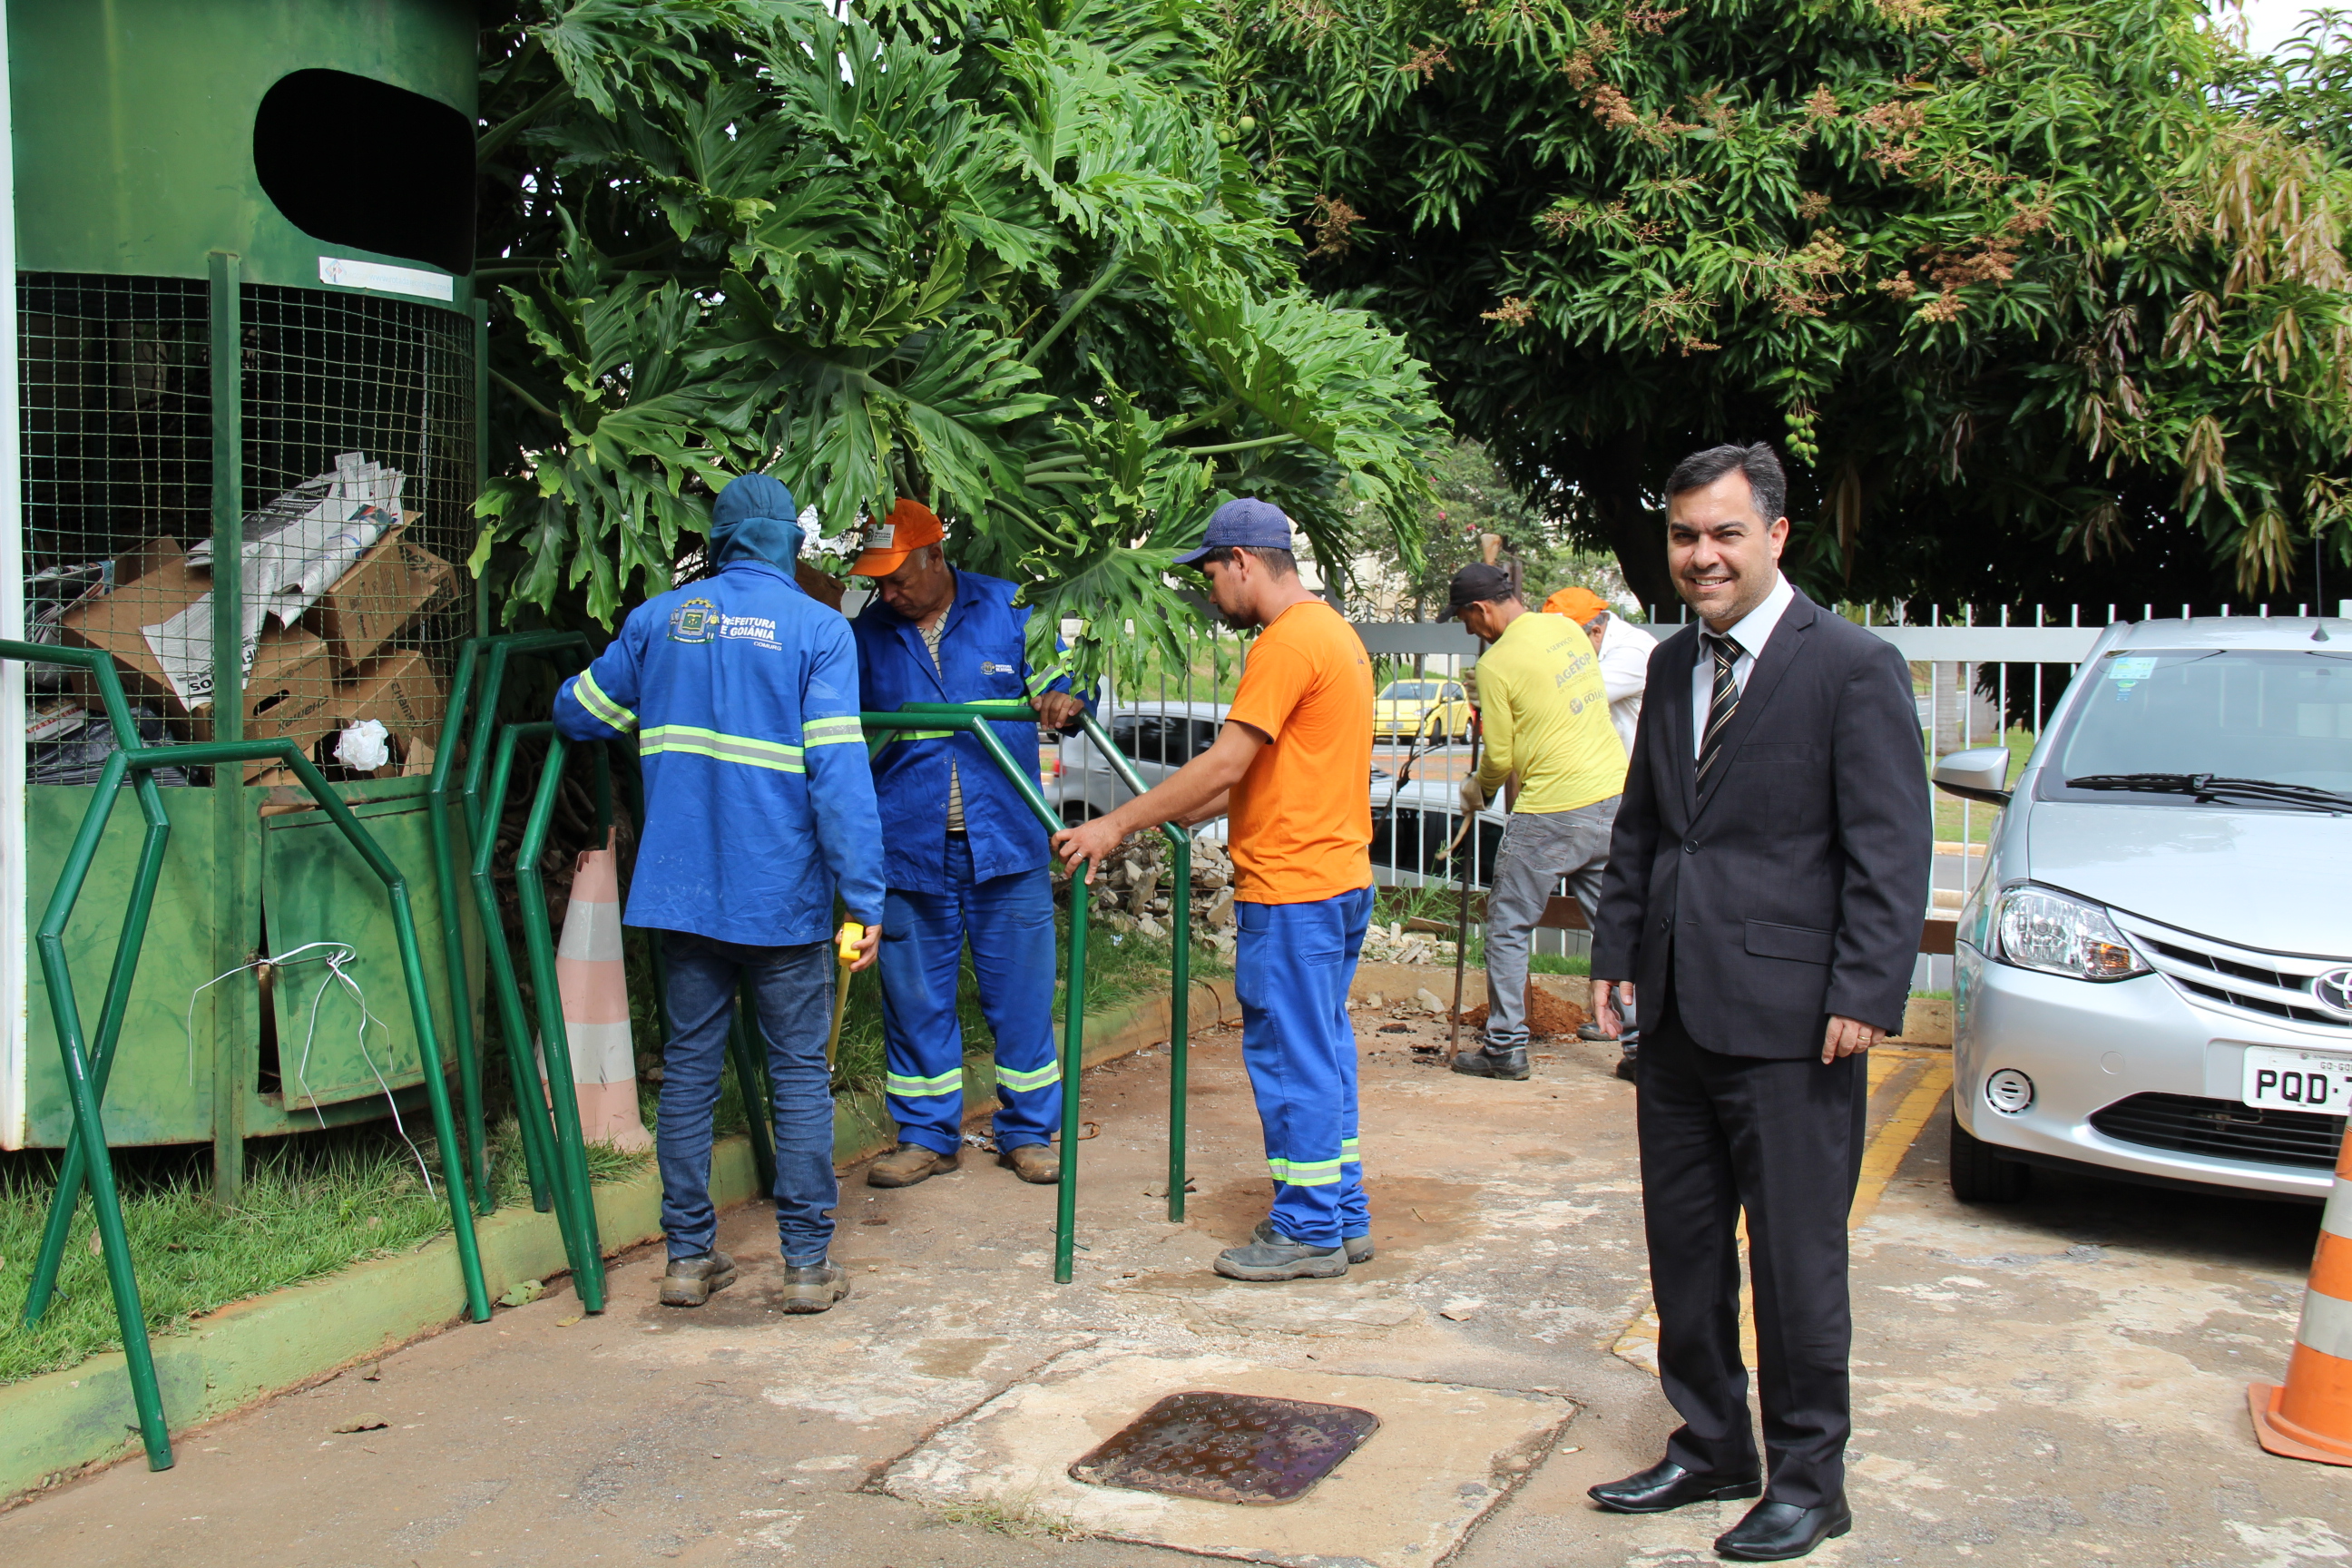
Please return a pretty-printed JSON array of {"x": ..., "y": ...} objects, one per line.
[{"x": 1793, "y": 886}]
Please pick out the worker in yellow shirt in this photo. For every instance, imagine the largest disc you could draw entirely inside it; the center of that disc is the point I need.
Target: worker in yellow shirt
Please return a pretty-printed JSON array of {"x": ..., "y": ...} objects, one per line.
[{"x": 1545, "y": 712}]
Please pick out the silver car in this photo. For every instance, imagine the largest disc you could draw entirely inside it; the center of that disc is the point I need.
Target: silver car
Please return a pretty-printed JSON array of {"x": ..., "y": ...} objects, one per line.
[{"x": 2153, "y": 979}]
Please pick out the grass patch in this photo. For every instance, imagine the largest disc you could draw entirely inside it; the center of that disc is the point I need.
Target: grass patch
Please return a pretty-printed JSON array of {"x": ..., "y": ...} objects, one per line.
[
  {"x": 315, "y": 1204},
  {"x": 1020, "y": 1518}
]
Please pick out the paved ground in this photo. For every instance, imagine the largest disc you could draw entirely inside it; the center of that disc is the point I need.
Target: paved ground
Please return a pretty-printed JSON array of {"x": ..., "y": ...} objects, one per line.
[{"x": 2060, "y": 1383}]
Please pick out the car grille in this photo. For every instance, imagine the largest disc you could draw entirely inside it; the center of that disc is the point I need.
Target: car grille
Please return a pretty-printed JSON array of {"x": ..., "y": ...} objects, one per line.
[
  {"x": 2242, "y": 980},
  {"x": 2224, "y": 1129}
]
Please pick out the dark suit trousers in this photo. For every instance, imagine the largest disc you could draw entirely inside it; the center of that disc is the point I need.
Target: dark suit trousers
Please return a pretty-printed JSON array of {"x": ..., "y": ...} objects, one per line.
[{"x": 1783, "y": 1140}]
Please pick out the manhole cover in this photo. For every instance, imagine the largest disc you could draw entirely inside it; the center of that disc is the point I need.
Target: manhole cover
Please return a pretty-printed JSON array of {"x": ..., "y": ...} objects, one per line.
[{"x": 1229, "y": 1447}]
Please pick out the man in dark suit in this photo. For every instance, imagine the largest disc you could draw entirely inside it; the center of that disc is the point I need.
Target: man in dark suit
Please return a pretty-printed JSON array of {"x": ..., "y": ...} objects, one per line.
[{"x": 1766, "y": 884}]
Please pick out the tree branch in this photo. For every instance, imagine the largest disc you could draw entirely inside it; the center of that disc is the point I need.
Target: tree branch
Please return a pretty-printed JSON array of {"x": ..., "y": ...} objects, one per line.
[
  {"x": 535, "y": 405},
  {"x": 506, "y": 130},
  {"x": 1238, "y": 445}
]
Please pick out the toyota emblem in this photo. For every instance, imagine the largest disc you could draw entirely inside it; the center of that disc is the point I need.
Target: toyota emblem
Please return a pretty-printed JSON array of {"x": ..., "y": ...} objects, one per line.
[{"x": 2333, "y": 992}]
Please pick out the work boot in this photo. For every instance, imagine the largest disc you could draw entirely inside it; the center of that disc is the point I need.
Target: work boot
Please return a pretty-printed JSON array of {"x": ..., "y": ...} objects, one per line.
[
  {"x": 1591, "y": 1032},
  {"x": 1511, "y": 1062},
  {"x": 688, "y": 1281},
  {"x": 1033, "y": 1162},
  {"x": 1359, "y": 1247},
  {"x": 909, "y": 1164},
  {"x": 1267, "y": 1261},
  {"x": 813, "y": 1287}
]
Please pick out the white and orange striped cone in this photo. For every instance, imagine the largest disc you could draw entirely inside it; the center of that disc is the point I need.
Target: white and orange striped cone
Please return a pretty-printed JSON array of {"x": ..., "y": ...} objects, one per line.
[
  {"x": 2310, "y": 1417},
  {"x": 595, "y": 986}
]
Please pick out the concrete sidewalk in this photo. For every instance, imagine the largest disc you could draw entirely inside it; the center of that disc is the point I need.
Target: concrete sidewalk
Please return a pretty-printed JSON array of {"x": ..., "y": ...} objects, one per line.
[{"x": 2062, "y": 1383}]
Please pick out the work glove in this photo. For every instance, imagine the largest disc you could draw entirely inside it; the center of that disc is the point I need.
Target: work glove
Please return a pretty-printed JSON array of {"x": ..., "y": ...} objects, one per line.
[{"x": 1474, "y": 799}]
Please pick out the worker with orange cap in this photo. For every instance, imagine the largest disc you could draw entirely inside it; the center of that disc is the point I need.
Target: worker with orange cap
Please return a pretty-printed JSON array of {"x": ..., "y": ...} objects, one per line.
[
  {"x": 964, "y": 860},
  {"x": 1625, "y": 651}
]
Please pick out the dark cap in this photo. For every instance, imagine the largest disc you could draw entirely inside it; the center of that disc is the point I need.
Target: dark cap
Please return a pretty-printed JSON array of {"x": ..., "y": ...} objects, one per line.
[
  {"x": 1476, "y": 583},
  {"x": 1249, "y": 523}
]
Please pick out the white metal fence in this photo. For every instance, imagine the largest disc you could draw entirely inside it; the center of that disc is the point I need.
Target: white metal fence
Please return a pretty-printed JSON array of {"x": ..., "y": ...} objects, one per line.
[{"x": 1981, "y": 679}]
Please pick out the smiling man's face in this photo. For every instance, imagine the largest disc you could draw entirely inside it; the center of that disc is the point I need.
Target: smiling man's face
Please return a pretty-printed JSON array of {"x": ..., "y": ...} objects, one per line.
[{"x": 1723, "y": 555}]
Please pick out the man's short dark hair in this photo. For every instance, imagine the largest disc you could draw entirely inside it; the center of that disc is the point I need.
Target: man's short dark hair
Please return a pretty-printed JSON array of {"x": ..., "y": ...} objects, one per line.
[
  {"x": 1766, "y": 481},
  {"x": 1277, "y": 562}
]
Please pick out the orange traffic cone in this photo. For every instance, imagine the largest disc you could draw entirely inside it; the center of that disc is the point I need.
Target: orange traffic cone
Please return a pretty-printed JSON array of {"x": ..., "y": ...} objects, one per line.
[
  {"x": 2311, "y": 1417},
  {"x": 595, "y": 989}
]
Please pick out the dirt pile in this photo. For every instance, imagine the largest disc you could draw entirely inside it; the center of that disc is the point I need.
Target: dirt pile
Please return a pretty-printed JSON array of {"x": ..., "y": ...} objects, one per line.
[{"x": 1548, "y": 1016}]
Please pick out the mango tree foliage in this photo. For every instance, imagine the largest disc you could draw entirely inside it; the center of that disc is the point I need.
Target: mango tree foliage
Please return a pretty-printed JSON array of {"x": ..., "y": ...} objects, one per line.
[
  {"x": 2036, "y": 297},
  {"x": 992, "y": 257}
]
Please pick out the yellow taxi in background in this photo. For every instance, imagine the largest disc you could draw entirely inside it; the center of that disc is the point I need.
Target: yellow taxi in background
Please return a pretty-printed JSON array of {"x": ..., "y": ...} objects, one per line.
[{"x": 1429, "y": 710}]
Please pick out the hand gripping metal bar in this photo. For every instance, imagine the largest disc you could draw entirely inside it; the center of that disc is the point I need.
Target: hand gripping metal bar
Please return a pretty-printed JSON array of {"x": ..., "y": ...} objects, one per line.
[
  {"x": 975, "y": 720},
  {"x": 1179, "y": 844}
]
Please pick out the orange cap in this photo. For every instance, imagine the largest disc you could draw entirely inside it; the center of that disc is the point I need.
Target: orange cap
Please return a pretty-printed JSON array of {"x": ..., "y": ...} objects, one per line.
[
  {"x": 1579, "y": 604},
  {"x": 909, "y": 527}
]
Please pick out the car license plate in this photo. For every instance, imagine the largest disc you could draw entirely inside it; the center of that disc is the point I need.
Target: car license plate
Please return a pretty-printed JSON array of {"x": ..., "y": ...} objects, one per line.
[{"x": 2298, "y": 1080}]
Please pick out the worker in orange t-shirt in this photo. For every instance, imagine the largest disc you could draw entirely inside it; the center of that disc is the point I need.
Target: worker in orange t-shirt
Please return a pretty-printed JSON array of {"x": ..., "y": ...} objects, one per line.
[{"x": 1292, "y": 770}]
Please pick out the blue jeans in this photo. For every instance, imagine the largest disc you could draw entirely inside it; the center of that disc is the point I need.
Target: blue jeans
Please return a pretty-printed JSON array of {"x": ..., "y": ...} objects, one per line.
[
  {"x": 791, "y": 990},
  {"x": 1009, "y": 920},
  {"x": 1292, "y": 966}
]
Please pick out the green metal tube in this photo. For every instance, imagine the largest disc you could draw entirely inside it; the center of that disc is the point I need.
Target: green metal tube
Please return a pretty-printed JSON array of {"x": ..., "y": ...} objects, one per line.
[
  {"x": 1179, "y": 999},
  {"x": 235, "y": 923},
  {"x": 131, "y": 1317},
  {"x": 961, "y": 716},
  {"x": 74, "y": 1168},
  {"x": 452, "y": 933},
  {"x": 420, "y": 1006},
  {"x": 751, "y": 1082},
  {"x": 1074, "y": 1063},
  {"x": 531, "y": 1114},
  {"x": 555, "y": 1039}
]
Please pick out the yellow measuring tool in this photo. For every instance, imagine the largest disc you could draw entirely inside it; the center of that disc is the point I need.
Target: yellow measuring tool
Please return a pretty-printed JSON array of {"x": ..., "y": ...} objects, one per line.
[{"x": 845, "y": 951}]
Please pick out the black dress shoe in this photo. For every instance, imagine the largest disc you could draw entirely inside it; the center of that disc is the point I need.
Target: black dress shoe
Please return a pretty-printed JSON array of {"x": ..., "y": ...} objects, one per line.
[
  {"x": 1776, "y": 1531},
  {"x": 1666, "y": 1485}
]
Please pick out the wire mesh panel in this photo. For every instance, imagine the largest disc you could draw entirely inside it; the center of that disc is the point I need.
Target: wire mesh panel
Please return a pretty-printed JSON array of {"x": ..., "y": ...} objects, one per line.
[{"x": 358, "y": 425}]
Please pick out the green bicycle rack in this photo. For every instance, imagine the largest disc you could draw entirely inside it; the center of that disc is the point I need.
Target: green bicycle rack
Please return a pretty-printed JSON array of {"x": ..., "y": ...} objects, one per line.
[
  {"x": 87, "y": 1070},
  {"x": 1180, "y": 907}
]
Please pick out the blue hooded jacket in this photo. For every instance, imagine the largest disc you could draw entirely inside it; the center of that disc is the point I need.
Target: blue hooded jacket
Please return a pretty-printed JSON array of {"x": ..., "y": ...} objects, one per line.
[{"x": 742, "y": 692}]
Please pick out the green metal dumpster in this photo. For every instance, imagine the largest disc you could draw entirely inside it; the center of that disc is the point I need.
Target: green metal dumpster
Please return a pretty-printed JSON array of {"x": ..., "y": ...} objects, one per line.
[{"x": 244, "y": 331}]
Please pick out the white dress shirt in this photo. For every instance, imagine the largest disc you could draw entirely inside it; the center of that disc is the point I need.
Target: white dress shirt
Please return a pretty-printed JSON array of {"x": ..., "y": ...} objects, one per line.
[
  {"x": 1625, "y": 672},
  {"x": 1750, "y": 632}
]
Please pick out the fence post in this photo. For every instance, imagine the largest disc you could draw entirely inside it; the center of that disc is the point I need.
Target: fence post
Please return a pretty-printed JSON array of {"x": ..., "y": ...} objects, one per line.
[{"x": 231, "y": 1021}]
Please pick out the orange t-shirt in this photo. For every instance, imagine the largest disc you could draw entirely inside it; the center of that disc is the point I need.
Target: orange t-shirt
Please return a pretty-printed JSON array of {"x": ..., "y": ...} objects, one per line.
[{"x": 1301, "y": 819}]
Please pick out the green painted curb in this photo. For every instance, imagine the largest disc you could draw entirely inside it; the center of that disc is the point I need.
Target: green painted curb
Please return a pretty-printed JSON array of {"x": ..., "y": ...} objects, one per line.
[{"x": 55, "y": 1425}]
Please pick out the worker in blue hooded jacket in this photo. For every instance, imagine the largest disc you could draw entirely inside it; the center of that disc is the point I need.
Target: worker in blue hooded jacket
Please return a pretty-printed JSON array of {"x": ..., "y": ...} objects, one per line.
[
  {"x": 965, "y": 857},
  {"x": 759, "y": 804}
]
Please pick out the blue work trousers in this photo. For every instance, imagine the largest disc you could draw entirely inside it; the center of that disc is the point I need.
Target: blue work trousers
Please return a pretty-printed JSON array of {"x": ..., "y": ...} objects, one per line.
[
  {"x": 1009, "y": 920},
  {"x": 1292, "y": 967},
  {"x": 791, "y": 991}
]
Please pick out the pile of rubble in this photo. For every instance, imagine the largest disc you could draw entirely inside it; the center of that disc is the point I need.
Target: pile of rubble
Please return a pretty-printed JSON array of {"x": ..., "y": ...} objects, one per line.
[{"x": 1134, "y": 891}]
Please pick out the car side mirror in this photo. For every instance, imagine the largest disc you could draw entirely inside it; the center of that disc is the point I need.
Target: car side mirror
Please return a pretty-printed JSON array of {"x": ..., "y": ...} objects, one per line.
[{"x": 1981, "y": 775}]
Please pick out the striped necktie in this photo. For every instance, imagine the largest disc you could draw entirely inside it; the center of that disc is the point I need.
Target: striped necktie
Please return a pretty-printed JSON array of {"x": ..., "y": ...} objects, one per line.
[{"x": 1726, "y": 700}]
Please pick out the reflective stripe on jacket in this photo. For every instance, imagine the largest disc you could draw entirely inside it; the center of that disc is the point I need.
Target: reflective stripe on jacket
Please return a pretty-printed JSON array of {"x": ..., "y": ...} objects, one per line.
[
  {"x": 742, "y": 692},
  {"x": 982, "y": 658}
]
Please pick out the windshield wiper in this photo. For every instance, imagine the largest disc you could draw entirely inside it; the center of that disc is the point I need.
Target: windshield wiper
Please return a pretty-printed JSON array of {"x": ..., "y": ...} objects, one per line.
[{"x": 2212, "y": 786}]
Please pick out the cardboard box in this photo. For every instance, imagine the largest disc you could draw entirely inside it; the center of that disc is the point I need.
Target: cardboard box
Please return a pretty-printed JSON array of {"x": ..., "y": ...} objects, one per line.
[
  {"x": 401, "y": 690},
  {"x": 379, "y": 597},
  {"x": 112, "y": 622}
]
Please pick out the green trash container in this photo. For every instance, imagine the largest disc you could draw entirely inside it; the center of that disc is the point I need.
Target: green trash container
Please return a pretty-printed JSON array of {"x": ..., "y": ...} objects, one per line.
[{"x": 244, "y": 235}]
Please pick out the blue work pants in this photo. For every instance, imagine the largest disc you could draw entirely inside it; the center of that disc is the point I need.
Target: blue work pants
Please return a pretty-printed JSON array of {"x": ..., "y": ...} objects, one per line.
[
  {"x": 791, "y": 991},
  {"x": 1009, "y": 922},
  {"x": 1292, "y": 966}
]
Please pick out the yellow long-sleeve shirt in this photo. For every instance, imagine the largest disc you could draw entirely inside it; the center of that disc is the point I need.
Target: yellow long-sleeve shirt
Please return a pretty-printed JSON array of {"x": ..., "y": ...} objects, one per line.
[{"x": 1544, "y": 711}]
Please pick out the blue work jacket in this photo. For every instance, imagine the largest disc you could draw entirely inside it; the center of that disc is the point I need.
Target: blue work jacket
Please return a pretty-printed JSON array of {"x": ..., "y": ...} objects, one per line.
[
  {"x": 982, "y": 658},
  {"x": 742, "y": 692}
]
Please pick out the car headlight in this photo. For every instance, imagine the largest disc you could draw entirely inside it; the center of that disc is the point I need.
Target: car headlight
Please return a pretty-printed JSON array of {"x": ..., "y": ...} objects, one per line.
[{"x": 2037, "y": 929}]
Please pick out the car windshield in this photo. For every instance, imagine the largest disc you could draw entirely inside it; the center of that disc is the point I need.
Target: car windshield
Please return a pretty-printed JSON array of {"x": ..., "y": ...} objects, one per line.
[
  {"x": 2239, "y": 715},
  {"x": 1409, "y": 691}
]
